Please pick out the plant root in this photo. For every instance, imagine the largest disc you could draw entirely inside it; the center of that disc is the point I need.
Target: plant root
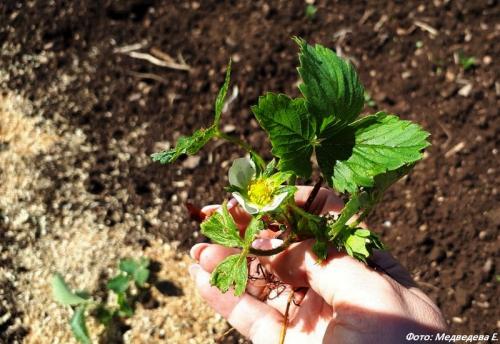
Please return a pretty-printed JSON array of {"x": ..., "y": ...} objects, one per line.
[{"x": 285, "y": 320}]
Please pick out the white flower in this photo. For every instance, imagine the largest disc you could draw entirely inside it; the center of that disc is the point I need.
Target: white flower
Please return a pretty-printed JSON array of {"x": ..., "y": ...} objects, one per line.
[{"x": 257, "y": 193}]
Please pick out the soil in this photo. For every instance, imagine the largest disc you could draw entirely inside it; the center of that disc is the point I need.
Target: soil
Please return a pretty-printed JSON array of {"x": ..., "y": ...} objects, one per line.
[{"x": 88, "y": 194}]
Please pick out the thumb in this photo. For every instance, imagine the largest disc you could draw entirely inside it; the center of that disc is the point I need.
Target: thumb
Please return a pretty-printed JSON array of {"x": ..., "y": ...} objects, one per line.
[{"x": 339, "y": 280}]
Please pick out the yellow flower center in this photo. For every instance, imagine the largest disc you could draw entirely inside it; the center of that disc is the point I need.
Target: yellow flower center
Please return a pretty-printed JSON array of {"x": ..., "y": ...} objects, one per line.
[{"x": 260, "y": 192}]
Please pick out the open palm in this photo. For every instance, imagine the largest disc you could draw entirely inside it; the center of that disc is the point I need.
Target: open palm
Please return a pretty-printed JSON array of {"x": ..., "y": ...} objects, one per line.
[{"x": 337, "y": 301}]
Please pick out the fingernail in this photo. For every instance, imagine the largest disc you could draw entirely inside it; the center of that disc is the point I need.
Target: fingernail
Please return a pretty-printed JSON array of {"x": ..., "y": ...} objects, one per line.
[
  {"x": 267, "y": 244},
  {"x": 193, "y": 270},
  {"x": 209, "y": 209},
  {"x": 232, "y": 203},
  {"x": 196, "y": 250}
]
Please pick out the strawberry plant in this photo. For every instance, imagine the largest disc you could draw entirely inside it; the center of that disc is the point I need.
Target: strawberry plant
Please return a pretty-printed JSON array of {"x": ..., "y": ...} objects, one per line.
[
  {"x": 131, "y": 272},
  {"x": 359, "y": 157}
]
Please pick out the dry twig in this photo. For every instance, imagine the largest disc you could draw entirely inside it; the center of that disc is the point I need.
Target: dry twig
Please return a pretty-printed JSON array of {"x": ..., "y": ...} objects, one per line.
[
  {"x": 426, "y": 27},
  {"x": 148, "y": 76},
  {"x": 157, "y": 57}
]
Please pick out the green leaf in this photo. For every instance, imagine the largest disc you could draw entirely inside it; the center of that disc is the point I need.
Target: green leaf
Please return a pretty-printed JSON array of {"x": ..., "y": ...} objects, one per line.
[
  {"x": 119, "y": 283},
  {"x": 311, "y": 11},
  {"x": 232, "y": 271},
  {"x": 192, "y": 144},
  {"x": 255, "y": 226},
  {"x": 141, "y": 276},
  {"x": 270, "y": 168},
  {"x": 104, "y": 315},
  {"x": 290, "y": 130},
  {"x": 221, "y": 228},
  {"x": 219, "y": 102},
  {"x": 356, "y": 202},
  {"x": 128, "y": 265},
  {"x": 279, "y": 178},
  {"x": 63, "y": 294},
  {"x": 334, "y": 95},
  {"x": 186, "y": 145},
  {"x": 125, "y": 309},
  {"x": 369, "y": 147},
  {"x": 260, "y": 165},
  {"x": 78, "y": 326},
  {"x": 359, "y": 242},
  {"x": 320, "y": 249},
  {"x": 361, "y": 232},
  {"x": 138, "y": 269},
  {"x": 385, "y": 180}
]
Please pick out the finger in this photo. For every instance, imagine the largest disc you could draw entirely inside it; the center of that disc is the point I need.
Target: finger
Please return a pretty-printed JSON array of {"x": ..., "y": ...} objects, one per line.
[
  {"x": 209, "y": 209},
  {"x": 240, "y": 216},
  {"x": 386, "y": 263},
  {"x": 210, "y": 255},
  {"x": 251, "y": 317},
  {"x": 324, "y": 202},
  {"x": 195, "y": 251}
]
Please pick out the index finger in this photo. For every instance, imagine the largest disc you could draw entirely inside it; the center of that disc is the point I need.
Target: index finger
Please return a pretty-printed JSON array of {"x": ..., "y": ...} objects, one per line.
[{"x": 324, "y": 202}]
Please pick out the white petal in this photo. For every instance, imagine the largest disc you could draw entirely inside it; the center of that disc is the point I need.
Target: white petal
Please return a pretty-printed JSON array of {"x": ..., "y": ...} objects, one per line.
[
  {"x": 249, "y": 207},
  {"x": 277, "y": 200},
  {"x": 241, "y": 172}
]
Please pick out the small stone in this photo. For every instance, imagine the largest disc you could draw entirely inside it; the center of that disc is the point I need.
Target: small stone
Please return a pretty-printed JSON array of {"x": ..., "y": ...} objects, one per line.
[
  {"x": 116, "y": 216},
  {"x": 183, "y": 195},
  {"x": 484, "y": 304},
  {"x": 21, "y": 218},
  {"x": 487, "y": 60},
  {"x": 457, "y": 320},
  {"x": 483, "y": 235},
  {"x": 191, "y": 162},
  {"x": 488, "y": 266},
  {"x": 236, "y": 57},
  {"x": 450, "y": 76},
  {"x": 387, "y": 224},
  {"x": 228, "y": 128},
  {"x": 423, "y": 227},
  {"x": 465, "y": 91}
]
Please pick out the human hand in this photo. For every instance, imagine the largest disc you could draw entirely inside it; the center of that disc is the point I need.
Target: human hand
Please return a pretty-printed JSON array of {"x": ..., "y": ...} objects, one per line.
[{"x": 340, "y": 300}]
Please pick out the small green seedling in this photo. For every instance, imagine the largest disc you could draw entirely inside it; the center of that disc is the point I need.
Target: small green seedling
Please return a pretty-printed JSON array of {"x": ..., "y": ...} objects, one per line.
[
  {"x": 131, "y": 272},
  {"x": 467, "y": 62},
  {"x": 359, "y": 157},
  {"x": 369, "y": 100},
  {"x": 311, "y": 11}
]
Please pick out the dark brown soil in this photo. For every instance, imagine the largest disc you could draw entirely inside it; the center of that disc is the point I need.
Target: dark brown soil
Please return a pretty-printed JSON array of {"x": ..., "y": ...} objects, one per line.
[{"x": 441, "y": 221}]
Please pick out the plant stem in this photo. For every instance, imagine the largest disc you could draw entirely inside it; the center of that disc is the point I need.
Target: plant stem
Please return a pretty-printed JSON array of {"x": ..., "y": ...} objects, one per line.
[
  {"x": 313, "y": 194},
  {"x": 361, "y": 217},
  {"x": 273, "y": 251},
  {"x": 350, "y": 209},
  {"x": 237, "y": 141}
]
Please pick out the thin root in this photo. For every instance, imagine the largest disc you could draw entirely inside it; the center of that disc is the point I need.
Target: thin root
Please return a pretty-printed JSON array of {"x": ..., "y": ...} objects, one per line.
[
  {"x": 221, "y": 337},
  {"x": 285, "y": 320}
]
